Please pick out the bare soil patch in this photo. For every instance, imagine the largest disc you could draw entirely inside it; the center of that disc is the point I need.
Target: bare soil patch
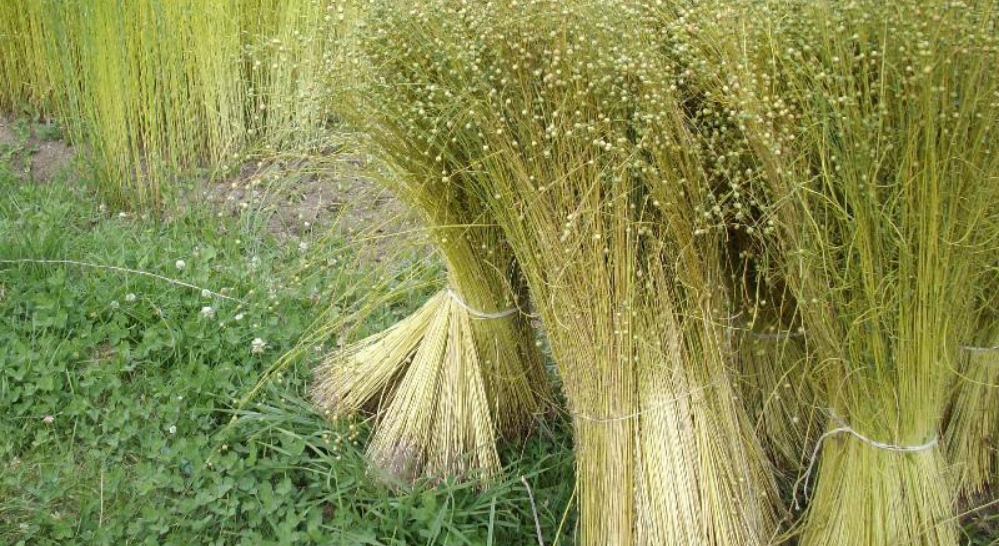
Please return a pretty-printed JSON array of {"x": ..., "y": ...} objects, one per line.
[
  {"x": 302, "y": 196},
  {"x": 39, "y": 156}
]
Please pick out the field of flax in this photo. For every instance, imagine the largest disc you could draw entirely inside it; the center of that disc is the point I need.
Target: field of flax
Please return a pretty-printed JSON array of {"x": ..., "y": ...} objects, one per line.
[{"x": 159, "y": 90}]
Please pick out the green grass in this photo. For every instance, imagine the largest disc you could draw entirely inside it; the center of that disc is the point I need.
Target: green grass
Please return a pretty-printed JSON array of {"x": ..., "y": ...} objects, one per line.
[{"x": 142, "y": 389}]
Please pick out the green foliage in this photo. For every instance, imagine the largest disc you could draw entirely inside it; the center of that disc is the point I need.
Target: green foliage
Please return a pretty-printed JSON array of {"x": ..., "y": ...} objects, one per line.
[{"x": 142, "y": 387}]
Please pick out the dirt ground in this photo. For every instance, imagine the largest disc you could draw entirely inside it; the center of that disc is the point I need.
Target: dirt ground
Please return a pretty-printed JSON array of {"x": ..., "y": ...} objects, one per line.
[
  {"x": 302, "y": 195},
  {"x": 295, "y": 196},
  {"x": 34, "y": 150}
]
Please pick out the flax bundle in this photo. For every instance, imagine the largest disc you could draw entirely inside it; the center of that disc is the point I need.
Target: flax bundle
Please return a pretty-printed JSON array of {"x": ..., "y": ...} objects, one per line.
[
  {"x": 773, "y": 367},
  {"x": 462, "y": 372},
  {"x": 972, "y": 433},
  {"x": 449, "y": 381},
  {"x": 556, "y": 116},
  {"x": 871, "y": 126}
]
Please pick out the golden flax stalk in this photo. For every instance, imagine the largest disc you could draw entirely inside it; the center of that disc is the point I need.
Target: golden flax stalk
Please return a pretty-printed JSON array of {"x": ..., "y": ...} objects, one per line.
[
  {"x": 774, "y": 384},
  {"x": 872, "y": 148},
  {"x": 972, "y": 433},
  {"x": 445, "y": 385},
  {"x": 465, "y": 371},
  {"x": 552, "y": 115}
]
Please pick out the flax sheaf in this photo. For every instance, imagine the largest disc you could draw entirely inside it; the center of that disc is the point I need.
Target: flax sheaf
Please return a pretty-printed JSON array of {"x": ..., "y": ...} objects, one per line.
[
  {"x": 535, "y": 109},
  {"x": 973, "y": 421},
  {"x": 870, "y": 178},
  {"x": 776, "y": 388},
  {"x": 447, "y": 383}
]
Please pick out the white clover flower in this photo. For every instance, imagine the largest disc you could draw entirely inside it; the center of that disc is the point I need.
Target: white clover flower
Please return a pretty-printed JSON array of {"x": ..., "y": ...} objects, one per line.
[
  {"x": 130, "y": 297},
  {"x": 48, "y": 419},
  {"x": 238, "y": 317},
  {"x": 181, "y": 264},
  {"x": 206, "y": 293},
  {"x": 115, "y": 304},
  {"x": 303, "y": 246},
  {"x": 207, "y": 312},
  {"x": 258, "y": 346}
]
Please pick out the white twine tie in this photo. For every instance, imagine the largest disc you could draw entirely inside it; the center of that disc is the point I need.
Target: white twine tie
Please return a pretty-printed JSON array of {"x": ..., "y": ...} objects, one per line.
[
  {"x": 481, "y": 314},
  {"x": 973, "y": 349},
  {"x": 844, "y": 428}
]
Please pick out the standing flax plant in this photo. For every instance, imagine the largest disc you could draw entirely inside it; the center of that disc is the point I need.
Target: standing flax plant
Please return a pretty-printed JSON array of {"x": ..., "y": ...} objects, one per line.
[
  {"x": 139, "y": 104},
  {"x": 152, "y": 87},
  {"x": 25, "y": 79},
  {"x": 292, "y": 51},
  {"x": 160, "y": 89},
  {"x": 872, "y": 127},
  {"x": 557, "y": 116}
]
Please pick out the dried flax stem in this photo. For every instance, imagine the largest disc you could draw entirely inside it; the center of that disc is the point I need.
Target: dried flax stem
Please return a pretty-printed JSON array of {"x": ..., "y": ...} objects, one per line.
[
  {"x": 446, "y": 383},
  {"x": 777, "y": 391},
  {"x": 468, "y": 372},
  {"x": 532, "y": 108},
  {"x": 870, "y": 146},
  {"x": 973, "y": 423}
]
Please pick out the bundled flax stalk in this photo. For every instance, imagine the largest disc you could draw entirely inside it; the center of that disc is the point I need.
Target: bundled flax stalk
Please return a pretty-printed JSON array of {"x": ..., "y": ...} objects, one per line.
[
  {"x": 872, "y": 125},
  {"x": 773, "y": 367},
  {"x": 972, "y": 433},
  {"x": 463, "y": 371},
  {"x": 447, "y": 382},
  {"x": 557, "y": 118}
]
